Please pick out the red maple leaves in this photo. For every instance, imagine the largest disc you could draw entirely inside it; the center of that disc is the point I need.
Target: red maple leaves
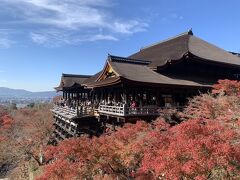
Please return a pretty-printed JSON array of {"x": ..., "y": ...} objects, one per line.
[
  {"x": 192, "y": 149},
  {"x": 205, "y": 145}
]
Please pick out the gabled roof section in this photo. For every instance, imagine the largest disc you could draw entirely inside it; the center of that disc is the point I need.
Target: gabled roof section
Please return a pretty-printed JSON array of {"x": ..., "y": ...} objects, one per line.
[
  {"x": 127, "y": 60},
  {"x": 75, "y": 76},
  {"x": 137, "y": 71},
  {"x": 70, "y": 80},
  {"x": 109, "y": 72},
  {"x": 92, "y": 79},
  {"x": 235, "y": 53},
  {"x": 176, "y": 48},
  {"x": 143, "y": 74}
]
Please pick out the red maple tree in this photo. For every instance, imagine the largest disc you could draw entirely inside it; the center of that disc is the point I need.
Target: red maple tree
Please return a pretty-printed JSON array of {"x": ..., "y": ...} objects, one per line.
[{"x": 205, "y": 145}]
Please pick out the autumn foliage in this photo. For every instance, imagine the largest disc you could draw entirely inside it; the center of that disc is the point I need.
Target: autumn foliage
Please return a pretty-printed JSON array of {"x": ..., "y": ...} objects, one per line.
[
  {"x": 23, "y": 134},
  {"x": 205, "y": 145},
  {"x": 5, "y": 120}
]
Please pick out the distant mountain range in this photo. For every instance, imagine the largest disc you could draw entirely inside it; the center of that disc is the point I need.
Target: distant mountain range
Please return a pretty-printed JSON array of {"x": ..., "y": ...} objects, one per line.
[{"x": 21, "y": 93}]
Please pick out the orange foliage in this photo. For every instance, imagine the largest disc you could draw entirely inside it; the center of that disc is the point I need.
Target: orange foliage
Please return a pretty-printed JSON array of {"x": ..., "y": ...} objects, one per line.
[
  {"x": 205, "y": 145},
  {"x": 6, "y": 122},
  {"x": 228, "y": 87},
  {"x": 23, "y": 133}
]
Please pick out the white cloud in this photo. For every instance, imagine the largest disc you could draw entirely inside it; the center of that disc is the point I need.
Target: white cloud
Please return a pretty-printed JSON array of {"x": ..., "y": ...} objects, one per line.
[
  {"x": 55, "y": 38},
  {"x": 71, "y": 16},
  {"x": 5, "y": 41},
  {"x": 176, "y": 16},
  {"x": 101, "y": 37},
  {"x": 130, "y": 27},
  {"x": 172, "y": 16},
  {"x": 38, "y": 38}
]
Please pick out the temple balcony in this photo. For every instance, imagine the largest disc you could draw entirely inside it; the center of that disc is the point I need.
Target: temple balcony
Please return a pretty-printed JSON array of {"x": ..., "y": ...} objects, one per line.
[
  {"x": 69, "y": 129},
  {"x": 128, "y": 111},
  {"x": 123, "y": 110},
  {"x": 67, "y": 113}
]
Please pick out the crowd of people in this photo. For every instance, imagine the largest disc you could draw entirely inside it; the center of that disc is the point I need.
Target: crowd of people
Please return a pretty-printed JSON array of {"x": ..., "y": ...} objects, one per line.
[
  {"x": 82, "y": 105},
  {"x": 73, "y": 103}
]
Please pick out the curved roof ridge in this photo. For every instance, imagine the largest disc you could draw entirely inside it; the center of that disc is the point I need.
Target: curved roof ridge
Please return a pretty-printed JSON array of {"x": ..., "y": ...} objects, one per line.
[
  {"x": 144, "y": 74},
  {"x": 127, "y": 60},
  {"x": 76, "y": 75},
  {"x": 189, "y": 32},
  {"x": 211, "y": 52},
  {"x": 70, "y": 80},
  {"x": 235, "y": 53},
  {"x": 92, "y": 79},
  {"x": 175, "y": 48}
]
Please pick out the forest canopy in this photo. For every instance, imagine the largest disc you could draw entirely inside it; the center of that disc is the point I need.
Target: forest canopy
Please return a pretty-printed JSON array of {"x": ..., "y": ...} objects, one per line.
[{"x": 205, "y": 144}]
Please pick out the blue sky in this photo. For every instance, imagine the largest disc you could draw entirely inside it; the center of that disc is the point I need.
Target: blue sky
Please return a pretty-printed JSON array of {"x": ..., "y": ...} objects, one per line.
[{"x": 40, "y": 39}]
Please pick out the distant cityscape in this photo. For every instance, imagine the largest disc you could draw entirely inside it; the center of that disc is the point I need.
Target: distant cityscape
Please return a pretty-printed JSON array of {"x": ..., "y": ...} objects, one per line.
[
  {"x": 22, "y": 98},
  {"x": 22, "y": 102}
]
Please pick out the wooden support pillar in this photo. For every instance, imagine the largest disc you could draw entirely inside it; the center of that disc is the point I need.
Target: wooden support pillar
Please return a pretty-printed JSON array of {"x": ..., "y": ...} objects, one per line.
[
  {"x": 97, "y": 96},
  {"x": 119, "y": 92},
  {"x": 141, "y": 98},
  {"x": 158, "y": 98},
  {"x": 101, "y": 95},
  {"x": 154, "y": 92},
  {"x": 147, "y": 97},
  {"x": 104, "y": 95},
  {"x": 93, "y": 94},
  {"x": 115, "y": 96},
  {"x": 87, "y": 96},
  {"x": 134, "y": 95},
  {"x": 77, "y": 99},
  {"x": 108, "y": 94},
  {"x": 127, "y": 96}
]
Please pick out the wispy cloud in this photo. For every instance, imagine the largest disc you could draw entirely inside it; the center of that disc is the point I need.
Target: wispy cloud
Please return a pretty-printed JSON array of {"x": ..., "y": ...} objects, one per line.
[
  {"x": 5, "y": 43},
  {"x": 5, "y": 40},
  {"x": 101, "y": 37},
  {"x": 176, "y": 16},
  {"x": 71, "y": 21},
  {"x": 172, "y": 16},
  {"x": 56, "y": 38}
]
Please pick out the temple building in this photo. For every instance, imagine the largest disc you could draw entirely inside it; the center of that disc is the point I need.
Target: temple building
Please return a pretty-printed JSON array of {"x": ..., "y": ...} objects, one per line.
[{"x": 162, "y": 75}]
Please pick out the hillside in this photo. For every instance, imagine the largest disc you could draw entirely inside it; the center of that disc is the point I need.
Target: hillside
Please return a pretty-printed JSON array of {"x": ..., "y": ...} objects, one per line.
[{"x": 21, "y": 93}]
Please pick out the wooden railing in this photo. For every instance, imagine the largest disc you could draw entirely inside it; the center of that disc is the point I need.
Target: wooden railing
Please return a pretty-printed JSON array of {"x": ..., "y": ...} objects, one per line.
[
  {"x": 112, "y": 110},
  {"x": 69, "y": 113},
  {"x": 143, "y": 111},
  {"x": 128, "y": 111}
]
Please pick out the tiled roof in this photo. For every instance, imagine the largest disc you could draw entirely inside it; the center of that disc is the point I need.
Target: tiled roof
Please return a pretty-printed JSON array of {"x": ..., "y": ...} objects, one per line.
[{"x": 175, "y": 48}]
